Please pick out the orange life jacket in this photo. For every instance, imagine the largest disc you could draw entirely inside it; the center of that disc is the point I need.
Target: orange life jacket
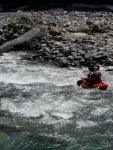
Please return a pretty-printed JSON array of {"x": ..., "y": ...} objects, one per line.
[{"x": 93, "y": 78}]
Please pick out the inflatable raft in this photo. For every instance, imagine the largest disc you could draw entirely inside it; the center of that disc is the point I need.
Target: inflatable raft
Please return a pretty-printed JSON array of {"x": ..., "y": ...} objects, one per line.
[{"x": 101, "y": 85}]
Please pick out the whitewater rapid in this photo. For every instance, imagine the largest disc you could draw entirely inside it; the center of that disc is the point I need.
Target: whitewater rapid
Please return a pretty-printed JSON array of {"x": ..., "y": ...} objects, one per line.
[{"x": 44, "y": 102}]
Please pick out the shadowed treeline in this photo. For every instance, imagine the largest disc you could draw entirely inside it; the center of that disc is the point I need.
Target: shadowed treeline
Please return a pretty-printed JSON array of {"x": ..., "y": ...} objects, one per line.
[
  {"x": 56, "y": 1},
  {"x": 13, "y": 5}
]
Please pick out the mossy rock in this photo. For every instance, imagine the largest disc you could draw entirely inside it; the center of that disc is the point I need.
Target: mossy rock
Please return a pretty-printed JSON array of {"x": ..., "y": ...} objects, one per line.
[
  {"x": 31, "y": 23},
  {"x": 12, "y": 24}
]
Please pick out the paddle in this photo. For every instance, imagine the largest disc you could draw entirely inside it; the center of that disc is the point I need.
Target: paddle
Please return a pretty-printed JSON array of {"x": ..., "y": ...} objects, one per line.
[
  {"x": 100, "y": 70},
  {"x": 79, "y": 82},
  {"x": 109, "y": 69}
]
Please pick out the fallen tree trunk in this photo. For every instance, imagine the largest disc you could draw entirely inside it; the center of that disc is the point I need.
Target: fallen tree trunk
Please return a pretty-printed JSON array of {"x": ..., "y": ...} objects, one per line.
[{"x": 25, "y": 40}]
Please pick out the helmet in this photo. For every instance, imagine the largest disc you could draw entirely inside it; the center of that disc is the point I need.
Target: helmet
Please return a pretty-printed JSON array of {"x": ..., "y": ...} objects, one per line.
[{"x": 91, "y": 67}]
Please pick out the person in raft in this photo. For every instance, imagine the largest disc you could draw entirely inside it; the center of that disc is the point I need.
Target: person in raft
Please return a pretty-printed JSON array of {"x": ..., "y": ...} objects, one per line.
[{"x": 93, "y": 77}]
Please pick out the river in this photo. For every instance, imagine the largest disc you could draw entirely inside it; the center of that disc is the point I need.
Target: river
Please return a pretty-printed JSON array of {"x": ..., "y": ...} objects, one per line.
[{"x": 42, "y": 108}]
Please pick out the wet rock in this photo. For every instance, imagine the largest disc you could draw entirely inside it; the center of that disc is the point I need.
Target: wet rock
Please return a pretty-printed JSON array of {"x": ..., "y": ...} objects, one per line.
[
  {"x": 109, "y": 62},
  {"x": 97, "y": 28},
  {"x": 100, "y": 56},
  {"x": 64, "y": 63}
]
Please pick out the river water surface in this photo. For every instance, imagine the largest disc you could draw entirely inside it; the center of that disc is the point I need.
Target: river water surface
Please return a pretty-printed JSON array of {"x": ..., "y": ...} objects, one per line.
[{"x": 41, "y": 108}]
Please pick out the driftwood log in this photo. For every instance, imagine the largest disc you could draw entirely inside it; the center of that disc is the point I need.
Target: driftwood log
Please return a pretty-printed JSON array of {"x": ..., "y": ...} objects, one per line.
[{"x": 24, "y": 40}]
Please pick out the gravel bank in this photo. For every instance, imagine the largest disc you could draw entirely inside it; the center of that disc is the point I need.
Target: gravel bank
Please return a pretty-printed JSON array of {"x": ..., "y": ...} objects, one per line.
[{"x": 74, "y": 38}]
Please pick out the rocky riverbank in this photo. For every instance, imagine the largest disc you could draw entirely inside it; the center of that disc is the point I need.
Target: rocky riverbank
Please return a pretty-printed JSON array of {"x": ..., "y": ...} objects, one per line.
[{"x": 64, "y": 38}]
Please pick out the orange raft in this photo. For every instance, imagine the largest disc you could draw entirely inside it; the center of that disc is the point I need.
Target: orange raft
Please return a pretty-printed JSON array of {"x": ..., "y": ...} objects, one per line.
[{"x": 101, "y": 85}]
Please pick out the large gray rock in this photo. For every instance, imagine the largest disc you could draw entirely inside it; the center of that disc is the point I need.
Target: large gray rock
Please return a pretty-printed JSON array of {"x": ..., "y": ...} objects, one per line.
[{"x": 25, "y": 40}]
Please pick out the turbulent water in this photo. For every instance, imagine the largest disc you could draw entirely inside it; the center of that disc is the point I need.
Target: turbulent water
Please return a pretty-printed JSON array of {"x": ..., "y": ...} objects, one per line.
[{"x": 41, "y": 108}]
